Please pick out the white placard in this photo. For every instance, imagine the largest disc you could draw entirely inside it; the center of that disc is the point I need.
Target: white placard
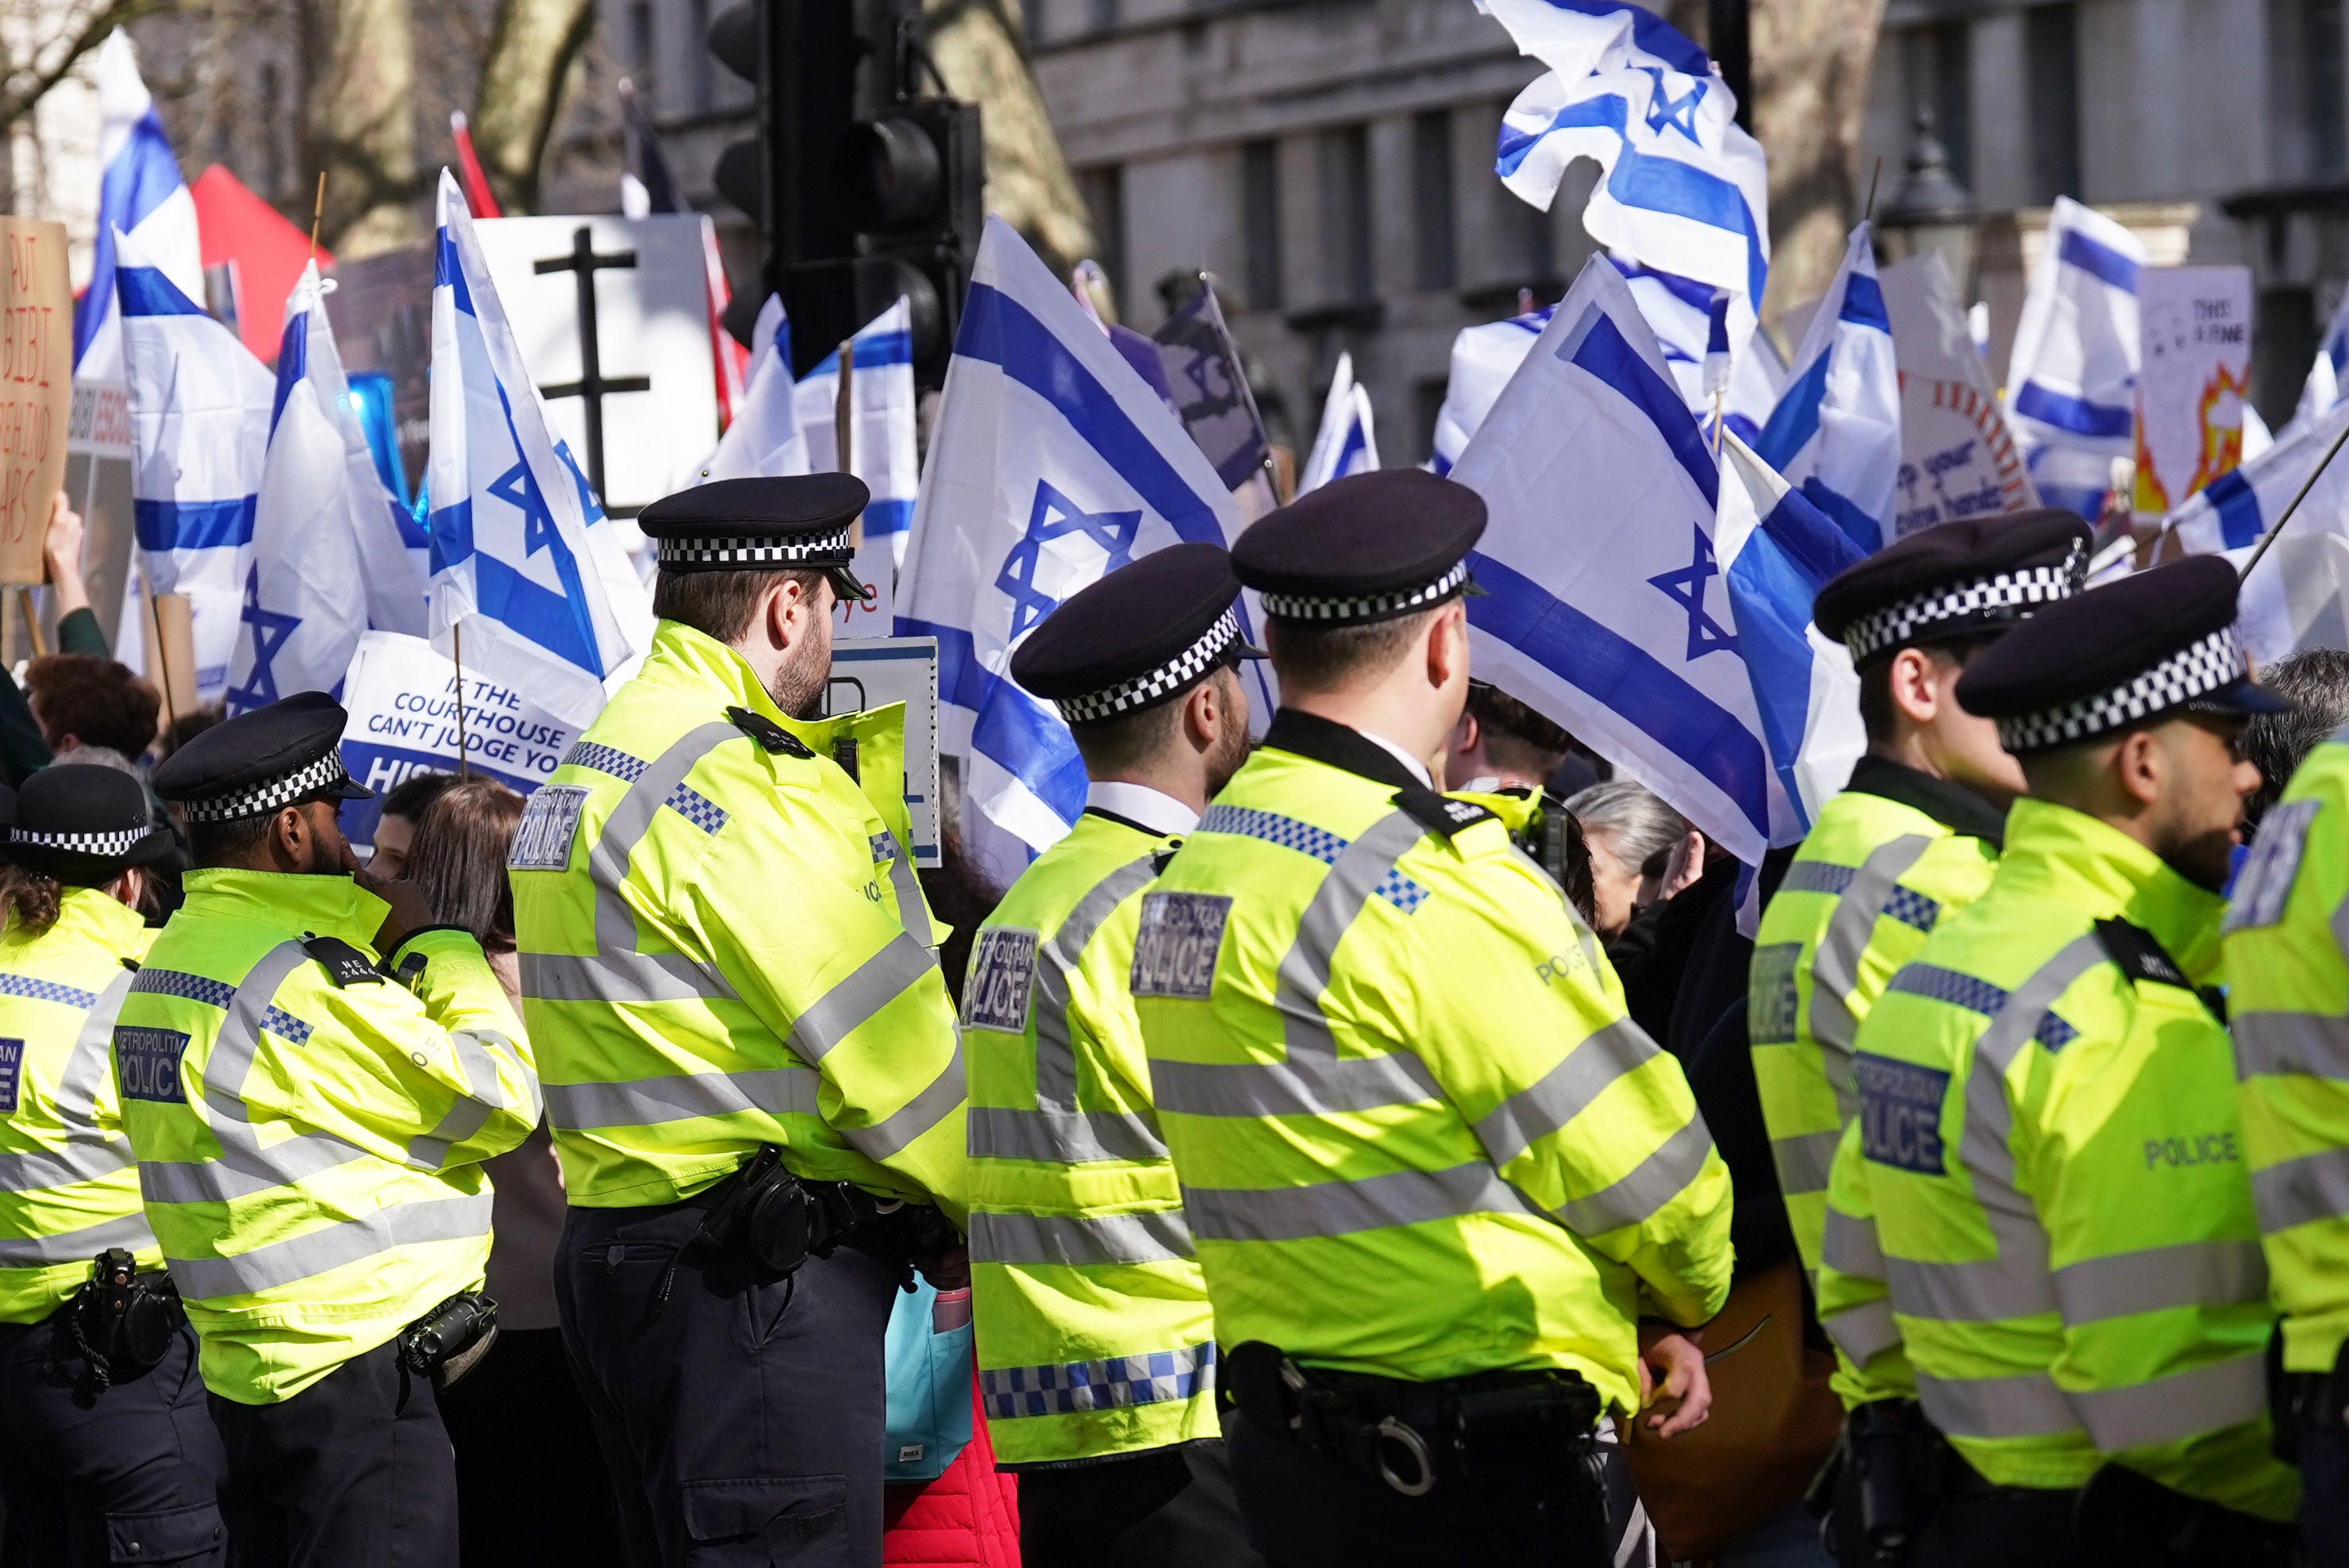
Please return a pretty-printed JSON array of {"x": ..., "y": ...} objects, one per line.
[
  {"x": 874, "y": 672},
  {"x": 2194, "y": 325},
  {"x": 1957, "y": 457}
]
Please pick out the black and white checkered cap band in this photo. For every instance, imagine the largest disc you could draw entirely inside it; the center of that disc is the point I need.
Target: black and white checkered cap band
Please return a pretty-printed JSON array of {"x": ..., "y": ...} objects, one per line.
[
  {"x": 2214, "y": 662},
  {"x": 822, "y": 549},
  {"x": 1177, "y": 674},
  {"x": 107, "y": 845},
  {"x": 1366, "y": 606},
  {"x": 2004, "y": 596},
  {"x": 254, "y": 800}
]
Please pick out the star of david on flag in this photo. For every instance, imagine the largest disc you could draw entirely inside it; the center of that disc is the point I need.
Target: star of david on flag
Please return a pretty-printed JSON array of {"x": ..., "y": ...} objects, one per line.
[{"x": 1052, "y": 463}]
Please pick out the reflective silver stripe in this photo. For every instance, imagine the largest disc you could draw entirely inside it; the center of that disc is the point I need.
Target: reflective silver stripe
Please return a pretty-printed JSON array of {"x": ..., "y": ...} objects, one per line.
[
  {"x": 77, "y": 1247},
  {"x": 1566, "y": 1091},
  {"x": 2222, "y": 1394},
  {"x": 1655, "y": 1182},
  {"x": 2192, "y": 1274},
  {"x": 1345, "y": 1208},
  {"x": 2027, "y": 1405},
  {"x": 1056, "y": 959},
  {"x": 655, "y": 1102},
  {"x": 1061, "y": 1137},
  {"x": 1848, "y": 1245},
  {"x": 1863, "y": 1332},
  {"x": 1834, "y": 966},
  {"x": 1804, "y": 1161},
  {"x": 2313, "y": 1187},
  {"x": 854, "y": 1000},
  {"x": 1312, "y": 1079},
  {"x": 82, "y": 1160},
  {"x": 617, "y": 976},
  {"x": 242, "y": 1169},
  {"x": 470, "y": 1110},
  {"x": 1153, "y": 1236},
  {"x": 1985, "y": 1290},
  {"x": 893, "y": 1133},
  {"x": 333, "y": 1246},
  {"x": 88, "y": 1153},
  {"x": 912, "y": 912},
  {"x": 2269, "y": 1044}
]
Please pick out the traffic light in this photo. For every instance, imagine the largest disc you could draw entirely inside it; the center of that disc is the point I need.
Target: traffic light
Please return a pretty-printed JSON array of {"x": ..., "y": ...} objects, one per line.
[{"x": 864, "y": 186}]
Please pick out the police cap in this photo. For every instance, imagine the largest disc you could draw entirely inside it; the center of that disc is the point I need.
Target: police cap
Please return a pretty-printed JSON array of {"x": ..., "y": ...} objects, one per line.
[
  {"x": 266, "y": 758},
  {"x": 1366, "y": 548},
  {"x": 84, "y": 825},
  {"x": 796, "y": 521},
  {"x": 2118, "y": 656},
  {"x": 1959, "y": 579},
  {"x": 1141, "y": 635}
]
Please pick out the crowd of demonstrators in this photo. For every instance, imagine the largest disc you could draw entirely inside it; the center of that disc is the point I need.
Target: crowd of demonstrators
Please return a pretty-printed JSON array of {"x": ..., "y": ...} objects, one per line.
[
  {"x": 1641, "y": 852},
  {"x": 404, "y": 805},
  {"x": 2316, "y": 683},
  {"x": 28, "y": 738}
]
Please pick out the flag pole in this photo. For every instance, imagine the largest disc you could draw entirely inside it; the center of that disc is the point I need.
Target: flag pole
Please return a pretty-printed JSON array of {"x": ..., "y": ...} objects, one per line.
[
  {"x": 1716, "y": 424},
  {"x": 457, "y": 657},
  {"x": 317, "y": 215},
  {"x": 162, "y": 649},
  {"x": 2298, "y": 496},
  {"x": 843, "y": 439}
]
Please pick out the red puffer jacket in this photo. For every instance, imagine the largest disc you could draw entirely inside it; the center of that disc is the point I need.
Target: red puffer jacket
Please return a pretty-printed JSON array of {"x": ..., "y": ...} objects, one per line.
[{"x": 968, "y": 1518}]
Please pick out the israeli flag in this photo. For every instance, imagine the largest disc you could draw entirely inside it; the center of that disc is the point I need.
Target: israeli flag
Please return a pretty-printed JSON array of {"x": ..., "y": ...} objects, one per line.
[
  {"x": 2323, "y": 389},
  {"x": 1683, "y": 188},
  {"x": 1836, "y": 431},
  {"x": 514, "y": 572},
  {"x": 1715, "y": 370},
  {"x": 2071, "y": 387},
  {"x": 1606, "y": 603},
  {"x": 1692, "y": 321},
  {"x": 200, "y": 405},
  {"x": 2240, "y": 505},
  {"x": 764, "y": 439},
  {"x": 305, "y": 594},
  {"x": 882, "y": 453},
  {"x": 140, "y": 193},
  {"x": 1052, "y": 463},
  {"x": 1348, "y": 440},
  {"x": 1484, "y": 359}
]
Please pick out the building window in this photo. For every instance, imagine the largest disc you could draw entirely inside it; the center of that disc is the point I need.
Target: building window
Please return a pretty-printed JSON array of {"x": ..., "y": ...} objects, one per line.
[
  {"x": 700, "y": 85},
  {"x": 1104, "y": 193},
  {"x": 1433, "y": 216},
  {"x": 1260, "y": 222},
  {"x": 2052, "y": 45},
  {"x": 1345, "y": 176},
  {"x": 2309, "y": 107},
  {"x": 1940, "y": 77}
]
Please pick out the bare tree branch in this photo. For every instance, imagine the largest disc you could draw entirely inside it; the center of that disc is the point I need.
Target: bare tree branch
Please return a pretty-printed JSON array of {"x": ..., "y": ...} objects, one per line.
[
  {"x": 532, "y": 46},
  {"x": 358, "y": 121},
  {"x": 29, "y": 82}
]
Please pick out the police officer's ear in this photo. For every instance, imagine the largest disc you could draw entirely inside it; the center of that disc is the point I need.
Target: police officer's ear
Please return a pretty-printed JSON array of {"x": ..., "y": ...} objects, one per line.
[{"x": 1446, "y": 648}]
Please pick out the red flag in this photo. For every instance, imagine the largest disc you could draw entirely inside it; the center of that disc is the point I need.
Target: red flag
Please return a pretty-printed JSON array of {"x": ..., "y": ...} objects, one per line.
[{"x": 478, "y": 194}]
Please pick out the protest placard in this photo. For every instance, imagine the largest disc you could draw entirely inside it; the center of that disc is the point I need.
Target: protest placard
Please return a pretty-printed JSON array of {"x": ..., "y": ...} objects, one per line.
[
  {"x": 402, "y": 699},
  {"x": 2194, "y": 325},
  {"x": 869, "y": 673},
  {"x": 35, "y": 388},
  {"x": 1957, "y": 457}
]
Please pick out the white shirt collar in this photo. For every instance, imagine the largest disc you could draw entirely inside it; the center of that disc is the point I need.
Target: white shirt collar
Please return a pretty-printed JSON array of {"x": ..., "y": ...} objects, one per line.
[
  {"x": 1153, "y": 808},
  {"x": 1418, "y": 769}
]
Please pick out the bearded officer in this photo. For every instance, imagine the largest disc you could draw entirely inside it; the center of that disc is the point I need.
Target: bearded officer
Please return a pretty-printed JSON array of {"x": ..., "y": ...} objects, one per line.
[
  {"x": 750, "y": 1061},
  {"x": 1911, "y": 840},
  {"x": 1096, "y": 1346},
  {"x": 1433, "y": 1172},
  {"x": 2048, "y": 1112}
]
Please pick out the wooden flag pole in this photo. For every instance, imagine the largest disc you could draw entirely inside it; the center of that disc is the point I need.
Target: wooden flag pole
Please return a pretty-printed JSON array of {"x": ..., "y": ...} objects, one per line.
[
  {"x": 162, "y": 649},
  {"x": 317, "y": 213},
  {"x": 457, "y": 657}
]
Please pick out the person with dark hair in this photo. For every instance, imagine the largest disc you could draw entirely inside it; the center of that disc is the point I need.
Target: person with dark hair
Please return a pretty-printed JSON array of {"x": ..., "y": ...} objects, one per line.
[
  {"x": 2316, "y": 683},
  {"x": 1503, "y": 750},
  {"x": 731, "y": 976},
  {"x": 82, "y": 700},
  {"x": 186, "y": 727},
  {"x": 104, "y": 1436},
  {"x": 313, "y": 1071},
  {"x": 404, "y": 805}
]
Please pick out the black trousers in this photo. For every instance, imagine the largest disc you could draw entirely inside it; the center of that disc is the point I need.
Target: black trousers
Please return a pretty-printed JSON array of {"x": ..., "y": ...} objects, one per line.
[
  {"x": 2324, "y": 1496},
  {"x": 1980, "y": 1524},
  {"x": 740, "y": 1418},
  {"x": 1165, "y": 1507},
  {"x": 532, "y": 1490},
  {"x": 353, "y": 1471},
  {"x": 129, "y": 1474},
  {"x": 1510, "y": 1507}
]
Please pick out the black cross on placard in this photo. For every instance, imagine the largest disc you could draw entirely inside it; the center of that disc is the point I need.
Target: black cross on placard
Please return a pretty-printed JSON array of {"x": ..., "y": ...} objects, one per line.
[{"x": 592, "y": 384}]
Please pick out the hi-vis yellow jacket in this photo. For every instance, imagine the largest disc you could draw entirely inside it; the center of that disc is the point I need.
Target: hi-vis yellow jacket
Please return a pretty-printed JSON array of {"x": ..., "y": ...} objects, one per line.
[
  {"x": 1417, "y": 1137},
  {"x": 2047, "y": 1111},
  {"x": 69, "y": 1182},
  {"x": 1894, "y": 854},
  {"x": 309, "y": 1132},
  {"x": 2289, "y": 997},
  {"x": 723, "y": 945},
  {"x": 1094, "y": 1332}
]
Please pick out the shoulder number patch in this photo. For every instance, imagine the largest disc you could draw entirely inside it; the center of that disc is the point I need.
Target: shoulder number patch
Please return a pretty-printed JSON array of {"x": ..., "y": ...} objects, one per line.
[
  {"x": 12, "y": 1068},
  {"x": 147, "y": 1064},
  {"x": 1001, "y": 982},
  {"x": 1771, "y": 1003},
  {"x": 2265, "y": 881},
  {"x": 542, "y": 840},
  {"x": 1175, "y": 952},
  {"x": 1901, "y": 1113}
]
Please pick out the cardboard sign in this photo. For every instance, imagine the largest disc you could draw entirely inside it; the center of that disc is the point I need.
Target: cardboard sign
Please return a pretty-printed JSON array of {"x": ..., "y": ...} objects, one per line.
[
  {"x": 403, "y": 699},
  {"x": 35, "y": 388},
  {"x": 1957, "y": 457},
  {"x": 2194, "y": 325},
  {"x": 869, "y": 673}
]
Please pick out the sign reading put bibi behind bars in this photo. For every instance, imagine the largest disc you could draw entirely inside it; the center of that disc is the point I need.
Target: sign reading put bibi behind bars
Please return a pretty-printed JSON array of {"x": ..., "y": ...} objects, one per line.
[
  {"x": 35, "y": 388},
  {"x": 874, "y": 672}
]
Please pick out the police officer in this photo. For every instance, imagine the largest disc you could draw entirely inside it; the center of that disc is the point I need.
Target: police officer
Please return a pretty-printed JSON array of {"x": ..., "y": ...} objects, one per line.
[
  {"x": 104, "y": 1439},
  {"x": 750, "y": 1060},
  {"x": 1912, "y": 839},
  {"x": 2047, "y": 1113},
  {"x": 2288, "y": 998},
  {"x": 1096, "y": 1347},
  {"x": 1431, "y": 1170},
  {"x": 312, "y": 1075}
]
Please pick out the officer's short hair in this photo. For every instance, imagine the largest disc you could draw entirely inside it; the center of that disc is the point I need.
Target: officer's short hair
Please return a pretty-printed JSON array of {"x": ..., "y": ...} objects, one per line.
[
  {"x": 1514, "y": 735},
  {"x": 720, "y": 604},
  {"x": 228, "y": 843},
  {"x": 2318, "y": 681},
  {"x": 1878, "y": 714},
  {"x": 1321, "y": 658}
]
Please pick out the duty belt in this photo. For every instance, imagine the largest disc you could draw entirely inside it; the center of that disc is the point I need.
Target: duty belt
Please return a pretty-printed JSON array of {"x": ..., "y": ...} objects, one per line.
[{"x": 776, "y": 1220}]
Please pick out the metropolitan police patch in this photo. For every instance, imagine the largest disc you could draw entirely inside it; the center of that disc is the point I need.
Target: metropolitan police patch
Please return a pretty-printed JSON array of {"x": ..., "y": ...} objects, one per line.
[
  {"x": 2265, "y": 881},
  {"x": 12, "y": 1067},
  {"x": 1002, "y": 977},
  {"x": 541, "y": 842},
  {"x": 1771, "y": 1003},
  {"x": 1175, "y": 952},
  {"x": 147, "y": 1064},
  {"x": 1901, "y": 1113}
]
